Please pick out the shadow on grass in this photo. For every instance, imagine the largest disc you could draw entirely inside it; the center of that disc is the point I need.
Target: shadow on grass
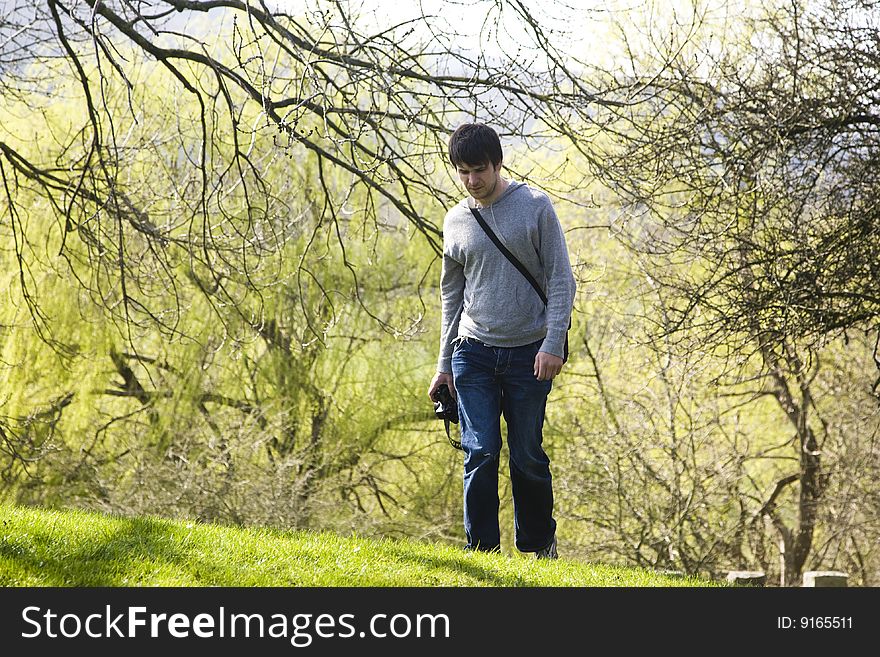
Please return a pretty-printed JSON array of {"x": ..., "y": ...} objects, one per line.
[
  {"x": 466, "y": 563},
  {"x": 106, "y": 558}
]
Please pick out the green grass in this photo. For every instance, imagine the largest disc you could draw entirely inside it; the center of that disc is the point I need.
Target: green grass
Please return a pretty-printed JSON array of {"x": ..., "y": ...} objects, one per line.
[{"x": 40, "y": 547}]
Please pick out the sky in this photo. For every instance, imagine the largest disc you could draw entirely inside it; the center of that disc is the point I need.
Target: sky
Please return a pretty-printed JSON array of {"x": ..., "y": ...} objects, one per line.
[{"x": 591, "y": 31}]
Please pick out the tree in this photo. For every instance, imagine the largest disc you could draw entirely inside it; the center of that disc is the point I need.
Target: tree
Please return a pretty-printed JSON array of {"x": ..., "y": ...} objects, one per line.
[{"x": 750, "y": 171}]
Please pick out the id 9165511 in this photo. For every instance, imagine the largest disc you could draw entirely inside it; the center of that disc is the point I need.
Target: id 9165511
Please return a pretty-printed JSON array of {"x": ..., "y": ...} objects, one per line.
[{"x": 814, "y": 622}]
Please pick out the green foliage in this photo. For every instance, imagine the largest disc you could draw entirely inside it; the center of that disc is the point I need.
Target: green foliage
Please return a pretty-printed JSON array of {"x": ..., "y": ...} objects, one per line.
[{"x": 240, "y": 384}]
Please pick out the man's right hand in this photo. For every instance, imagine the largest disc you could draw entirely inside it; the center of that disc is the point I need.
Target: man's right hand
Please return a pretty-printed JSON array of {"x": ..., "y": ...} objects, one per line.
[{"x": 439, "y": 379}]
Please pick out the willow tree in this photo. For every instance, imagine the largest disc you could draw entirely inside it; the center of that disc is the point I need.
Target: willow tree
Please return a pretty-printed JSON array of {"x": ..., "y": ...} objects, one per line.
[
  {"x": 368, "y": 100},
  {"x": 211, "y": 174}
]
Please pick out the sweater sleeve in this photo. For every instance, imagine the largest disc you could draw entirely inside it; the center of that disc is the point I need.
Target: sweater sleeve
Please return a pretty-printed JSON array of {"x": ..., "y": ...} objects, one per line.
[
  {"x": 452, "y": 302},
  {"x": 561, "y": 285}
]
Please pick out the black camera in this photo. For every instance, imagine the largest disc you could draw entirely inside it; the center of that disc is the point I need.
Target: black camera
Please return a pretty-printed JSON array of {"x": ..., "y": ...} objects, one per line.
[{"x": 445, "y": 407}]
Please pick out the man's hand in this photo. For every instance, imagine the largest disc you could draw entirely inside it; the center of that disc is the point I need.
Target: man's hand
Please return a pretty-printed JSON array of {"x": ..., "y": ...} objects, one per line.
[
  {"x": 439, "y": 379},
  {"x": 547, "y": 366}
]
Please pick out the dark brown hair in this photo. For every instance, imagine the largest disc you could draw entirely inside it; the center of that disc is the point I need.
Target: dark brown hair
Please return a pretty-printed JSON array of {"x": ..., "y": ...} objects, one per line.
[{"x": 474, "y": 143}]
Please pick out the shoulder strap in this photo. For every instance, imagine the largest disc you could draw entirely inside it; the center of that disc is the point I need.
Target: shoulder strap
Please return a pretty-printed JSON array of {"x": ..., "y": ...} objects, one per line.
[{"x": 507, "y": 254}]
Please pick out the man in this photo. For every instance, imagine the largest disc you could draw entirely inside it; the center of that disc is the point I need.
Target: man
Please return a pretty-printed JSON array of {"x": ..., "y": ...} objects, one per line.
[{"x": 500, "y": 347}]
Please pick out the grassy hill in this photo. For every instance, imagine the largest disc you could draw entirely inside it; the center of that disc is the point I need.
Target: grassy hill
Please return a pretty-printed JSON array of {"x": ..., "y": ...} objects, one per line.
[{"x": 40, "y": 547}]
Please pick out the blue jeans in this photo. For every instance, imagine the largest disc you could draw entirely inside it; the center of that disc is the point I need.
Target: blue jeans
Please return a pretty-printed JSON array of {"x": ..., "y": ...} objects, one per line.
[{"x": 491, "y": 382}]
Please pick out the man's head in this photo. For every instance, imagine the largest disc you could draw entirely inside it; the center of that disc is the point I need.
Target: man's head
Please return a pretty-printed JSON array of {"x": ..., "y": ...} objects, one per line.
[
  {"x": 475, "y": 152},
  {"x": 475, "y": 143}
]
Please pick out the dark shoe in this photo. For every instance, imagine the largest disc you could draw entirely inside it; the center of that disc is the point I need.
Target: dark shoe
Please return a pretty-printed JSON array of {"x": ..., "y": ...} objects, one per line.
[{"x": 548, "y": 552}]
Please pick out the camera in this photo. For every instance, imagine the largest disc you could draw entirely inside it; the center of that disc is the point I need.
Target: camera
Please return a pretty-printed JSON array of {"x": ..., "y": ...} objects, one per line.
[{"x": 445, "y": 407}]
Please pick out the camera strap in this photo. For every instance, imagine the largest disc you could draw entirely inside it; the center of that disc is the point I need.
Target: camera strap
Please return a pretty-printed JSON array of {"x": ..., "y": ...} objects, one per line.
[
  {"x": 452, "y": 441},
  {"x": 520, "y": 267}
]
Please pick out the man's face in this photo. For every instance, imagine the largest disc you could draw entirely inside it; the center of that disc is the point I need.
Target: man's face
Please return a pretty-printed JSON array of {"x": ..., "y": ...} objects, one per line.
[{"x": 479, "y": 180}]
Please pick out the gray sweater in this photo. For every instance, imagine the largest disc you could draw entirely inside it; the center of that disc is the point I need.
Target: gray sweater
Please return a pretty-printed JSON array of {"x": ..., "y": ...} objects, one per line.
[{"x": 484, "y": 296}]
